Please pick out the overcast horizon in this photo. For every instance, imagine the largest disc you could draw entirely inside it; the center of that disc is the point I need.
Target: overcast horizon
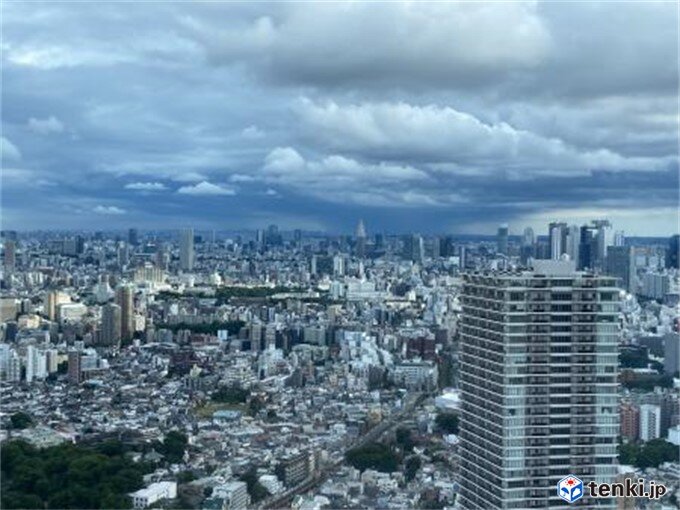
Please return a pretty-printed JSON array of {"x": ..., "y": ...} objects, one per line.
[{"x": 423, "y": 117}]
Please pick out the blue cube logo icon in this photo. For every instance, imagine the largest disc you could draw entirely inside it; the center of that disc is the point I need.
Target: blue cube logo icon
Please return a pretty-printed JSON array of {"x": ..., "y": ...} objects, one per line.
[{"x": 570, "y": 488}]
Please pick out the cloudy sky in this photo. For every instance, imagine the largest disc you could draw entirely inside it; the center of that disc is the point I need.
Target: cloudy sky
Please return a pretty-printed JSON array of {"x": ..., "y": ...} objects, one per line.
[{"x": 430, "y": 117}]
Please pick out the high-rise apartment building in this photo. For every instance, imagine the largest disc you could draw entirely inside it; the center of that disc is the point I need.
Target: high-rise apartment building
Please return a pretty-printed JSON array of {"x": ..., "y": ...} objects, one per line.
[
  {"x": 630, "y": 421},
  {"x": 539, "y": 384},
  {"x": 650, "y": 422},
  {"x": 110, "y": 333},
  {"x": 125, "y": 300},
  {"x": 186, "y": 249}
]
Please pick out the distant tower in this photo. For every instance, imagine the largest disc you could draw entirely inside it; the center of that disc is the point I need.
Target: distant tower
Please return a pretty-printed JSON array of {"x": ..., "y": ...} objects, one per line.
[
  {"x": 10, "y": 258},
  {"x": 111, "y": 325},
  {"x": 361, "y": 239},
  {"x": 619, "y": 238},
  {"x": 125, "y": 300},
  {"x": 528, "y": 248},
  {"x": 502, "y": 239},
  {"x": 557, "y": 232},
  {"x": 602, "y": 228},
  {"x": 133, "y": 237},
  {"x": 186, "y": 249}
]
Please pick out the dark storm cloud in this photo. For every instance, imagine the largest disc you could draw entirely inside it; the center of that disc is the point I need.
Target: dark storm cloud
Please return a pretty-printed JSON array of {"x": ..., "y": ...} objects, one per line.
[{"x": 417, "y": 116}]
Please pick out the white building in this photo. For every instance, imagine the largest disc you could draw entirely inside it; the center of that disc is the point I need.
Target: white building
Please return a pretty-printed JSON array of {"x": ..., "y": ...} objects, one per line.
[
  {"x": 154, "y": 492},
  {"x": 234, "y": 494},
  {"x": 650, "y": 422},
  {"x": 674, "y": 435}
]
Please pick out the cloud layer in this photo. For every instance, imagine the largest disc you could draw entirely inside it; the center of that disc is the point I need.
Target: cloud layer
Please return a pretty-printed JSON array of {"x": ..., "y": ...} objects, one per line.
[{"x": 415, "y": 116}]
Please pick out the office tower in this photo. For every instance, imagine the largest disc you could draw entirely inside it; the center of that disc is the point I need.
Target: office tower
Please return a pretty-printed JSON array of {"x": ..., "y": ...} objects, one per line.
[
  {"x": 538, "y": 373},
  {"x": 619, "y": 238},
  {"x": 125, "y": 300},
  {"x": 621, "y": 264},
  {"x": 111, "y": 331},
  {"x": 671, "y": 349},
  {"x": 74, "y": 367},
  {"x": 673, "y": 252},
  {"x": 502, "y": 239},
  {"x": 10, "y": 255},
  {"x": 573, "y": 238},
  {"x": 630, "y": 421},
  {"x": 273, "y": 237},
  {"x": 259, "y": 237},
  {"x": 528, "y": 248},
  {"x": 360, "y": 246},
  {"x": 587, "y": 248},
  {"x": 602, "y": 229},
  {"x": 133, "y": 237},
  {"x": 186, "y": 249},
  {"x": 339, "y": 265},
  {"x": 557, "y": 233},
  {"x": 650, "y": 422},
  {"x": 414, "y": 248}
]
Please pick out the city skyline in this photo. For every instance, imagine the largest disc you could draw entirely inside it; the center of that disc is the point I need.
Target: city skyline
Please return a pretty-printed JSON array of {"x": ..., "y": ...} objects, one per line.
[{"x": 234, "y": 116}]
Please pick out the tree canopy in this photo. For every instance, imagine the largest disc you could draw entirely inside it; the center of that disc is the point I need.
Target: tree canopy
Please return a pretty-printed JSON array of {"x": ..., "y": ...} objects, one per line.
[{"x": 68, "y": 476}]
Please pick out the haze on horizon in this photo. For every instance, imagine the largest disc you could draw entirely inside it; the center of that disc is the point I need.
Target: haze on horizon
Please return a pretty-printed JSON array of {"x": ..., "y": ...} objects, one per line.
[{"x": 430, "y": 117}]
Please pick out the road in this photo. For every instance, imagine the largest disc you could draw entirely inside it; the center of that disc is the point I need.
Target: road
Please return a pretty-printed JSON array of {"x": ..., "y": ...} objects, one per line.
[{"x": 283, "y": 500}]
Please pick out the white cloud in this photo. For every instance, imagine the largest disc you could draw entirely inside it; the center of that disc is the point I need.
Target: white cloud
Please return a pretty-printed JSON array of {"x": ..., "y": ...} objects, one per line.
[
  {"x": 46, "y": 126},
  {"x": 109, "y": 210},
  {"x": 9, "y": 151},
  {"x": 206, "y": 188},
  {"x": 340, "y": 179},
  {"x": 252, "y": 133},
  {"x": 146, "y": 186},
  {"x": 241, "y": 178},
  {"x": 455, "y": 140}
]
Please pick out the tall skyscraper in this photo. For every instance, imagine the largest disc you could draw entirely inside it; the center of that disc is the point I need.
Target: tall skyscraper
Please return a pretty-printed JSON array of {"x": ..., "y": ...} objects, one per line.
[
  {"x": 133, "y": 237},
  {"x": 10, "y": 255},
  {"x": 360, "y": 246},
  {"x": 125, "y": 300},
  {"x": 573, "y": 240},
  {"x": 111, "y": 330},
  {"x": 186, "y": 249},
  {"x": 602, "y": 228},
  {"x": 621, "y": 264},
  {"x": 502, "y": 239},
  {"x": 557, "y": 232},
  {"x": 539, "y": 384},
  {"x": 528, "y": 248},
  {"x": 413, "y": 248}
]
